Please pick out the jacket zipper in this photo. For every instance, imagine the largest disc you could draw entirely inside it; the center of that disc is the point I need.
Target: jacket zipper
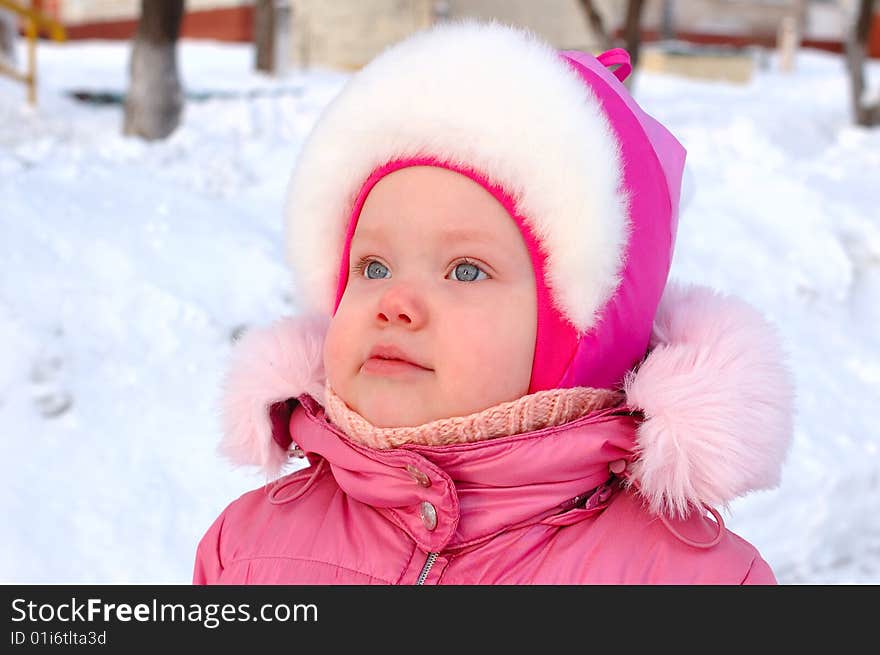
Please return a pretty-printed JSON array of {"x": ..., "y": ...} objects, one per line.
[{"x": 432, "y": 557}]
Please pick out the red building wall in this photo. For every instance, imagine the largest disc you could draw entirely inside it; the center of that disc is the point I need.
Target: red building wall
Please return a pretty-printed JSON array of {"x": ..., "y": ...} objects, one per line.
[
  {"x": 236, "y": 24},
  {"x": 228, "y": 24}
]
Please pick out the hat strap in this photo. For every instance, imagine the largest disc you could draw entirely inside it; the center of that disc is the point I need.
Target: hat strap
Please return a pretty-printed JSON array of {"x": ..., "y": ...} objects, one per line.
[{"x": 620, "y": 58}]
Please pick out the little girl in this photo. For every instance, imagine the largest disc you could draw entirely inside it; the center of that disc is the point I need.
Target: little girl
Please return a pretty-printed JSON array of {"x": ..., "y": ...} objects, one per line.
[{"x": 492, "y": 382}]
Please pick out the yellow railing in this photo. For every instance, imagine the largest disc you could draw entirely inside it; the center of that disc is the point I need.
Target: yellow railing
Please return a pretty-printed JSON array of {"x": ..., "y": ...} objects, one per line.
[{"x": 36, "y": 23}]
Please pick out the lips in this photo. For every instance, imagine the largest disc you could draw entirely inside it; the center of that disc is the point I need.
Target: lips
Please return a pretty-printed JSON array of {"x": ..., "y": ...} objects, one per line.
[{"x": 388, "y": 356}]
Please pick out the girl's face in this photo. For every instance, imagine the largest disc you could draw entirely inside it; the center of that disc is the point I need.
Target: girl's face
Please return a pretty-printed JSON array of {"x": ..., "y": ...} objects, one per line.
[{"x": 439, "y": 315}]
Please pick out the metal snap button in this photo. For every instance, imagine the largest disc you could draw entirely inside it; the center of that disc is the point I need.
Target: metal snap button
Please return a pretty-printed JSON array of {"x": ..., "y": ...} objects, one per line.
[
  {"x": 418, "y": 475},
  {"x": 429, "y": 515}
]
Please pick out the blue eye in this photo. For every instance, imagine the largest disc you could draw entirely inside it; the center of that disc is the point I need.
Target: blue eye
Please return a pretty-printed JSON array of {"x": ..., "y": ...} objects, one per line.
[
  {"x": 467, "y": 272},
  {"x": 376, "y": 271}
]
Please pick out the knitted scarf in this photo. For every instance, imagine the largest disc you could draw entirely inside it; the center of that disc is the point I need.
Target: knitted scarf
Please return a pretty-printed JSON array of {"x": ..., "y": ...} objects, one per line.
[{"x": 532, "y": 412}]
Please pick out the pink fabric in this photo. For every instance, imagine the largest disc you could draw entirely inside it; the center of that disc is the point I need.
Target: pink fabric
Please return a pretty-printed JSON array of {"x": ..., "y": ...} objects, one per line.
[
  {"x": 620, "y": 338},
  {"x": 668, "y": 150},
  {"x": 555, "y": 339},
  {"x": 525, "y": 509},
  {"x": 531, "y": 412},
  {"x": 615, "y": 57}
]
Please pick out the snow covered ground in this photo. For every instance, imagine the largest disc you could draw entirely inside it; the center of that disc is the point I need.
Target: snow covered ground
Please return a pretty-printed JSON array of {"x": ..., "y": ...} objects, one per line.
[{"x": 127, "y": 267}]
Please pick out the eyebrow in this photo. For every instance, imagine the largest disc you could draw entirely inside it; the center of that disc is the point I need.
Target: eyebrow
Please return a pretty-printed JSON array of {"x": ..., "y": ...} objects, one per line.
[{"x": 455, "y": 235}]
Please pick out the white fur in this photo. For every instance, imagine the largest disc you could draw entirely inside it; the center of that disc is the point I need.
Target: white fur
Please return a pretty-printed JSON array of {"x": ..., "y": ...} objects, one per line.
[{"x": 489, "y": 97}]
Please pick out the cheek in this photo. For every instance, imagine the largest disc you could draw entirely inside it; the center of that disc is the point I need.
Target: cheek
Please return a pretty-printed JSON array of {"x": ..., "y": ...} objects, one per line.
[
  {"x": 339, "y": 348},
  {"x": 494, "y": 354}
]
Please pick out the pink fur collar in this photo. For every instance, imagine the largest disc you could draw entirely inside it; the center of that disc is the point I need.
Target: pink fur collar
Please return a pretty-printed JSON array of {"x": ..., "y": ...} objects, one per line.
[{"x": 715, "y": 391}]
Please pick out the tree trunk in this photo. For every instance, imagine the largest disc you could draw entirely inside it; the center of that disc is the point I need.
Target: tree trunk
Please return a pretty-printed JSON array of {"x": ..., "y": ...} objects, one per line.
[
  {"x": 264, "y": 34},
  {"x": 596, "y": 24},
  {"x": 668, "y": 29},
  {"x": 632, "y": 34},
  {"x": 856, "y": 48},
  {"x": 8, "y": 37},
  {"x": 154, "y": 101},
  {"x": 631, "y": 31}
]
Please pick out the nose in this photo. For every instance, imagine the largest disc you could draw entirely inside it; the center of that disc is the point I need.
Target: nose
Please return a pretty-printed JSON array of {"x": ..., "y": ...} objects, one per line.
[{"x": 401, "y": 305}]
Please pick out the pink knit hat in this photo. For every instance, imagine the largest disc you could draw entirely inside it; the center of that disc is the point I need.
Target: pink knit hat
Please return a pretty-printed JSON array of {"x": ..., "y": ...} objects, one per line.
[{"x": 592, "y": 181}]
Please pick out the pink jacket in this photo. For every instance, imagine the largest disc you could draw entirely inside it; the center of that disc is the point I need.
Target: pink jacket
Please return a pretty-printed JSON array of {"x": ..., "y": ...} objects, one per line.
[{"x": 707, "y": 419}]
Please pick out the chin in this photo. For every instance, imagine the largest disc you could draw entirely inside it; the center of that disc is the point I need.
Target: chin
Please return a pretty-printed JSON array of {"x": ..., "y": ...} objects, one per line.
[
  {"x": 393, "y": 417},
  {"x": 392, "y": 409}
]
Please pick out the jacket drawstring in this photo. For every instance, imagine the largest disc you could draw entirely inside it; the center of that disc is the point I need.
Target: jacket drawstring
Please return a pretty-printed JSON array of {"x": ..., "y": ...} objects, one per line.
[
  {"x": 278, "y": 488},
  {"x": 619, "y": 468}
]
